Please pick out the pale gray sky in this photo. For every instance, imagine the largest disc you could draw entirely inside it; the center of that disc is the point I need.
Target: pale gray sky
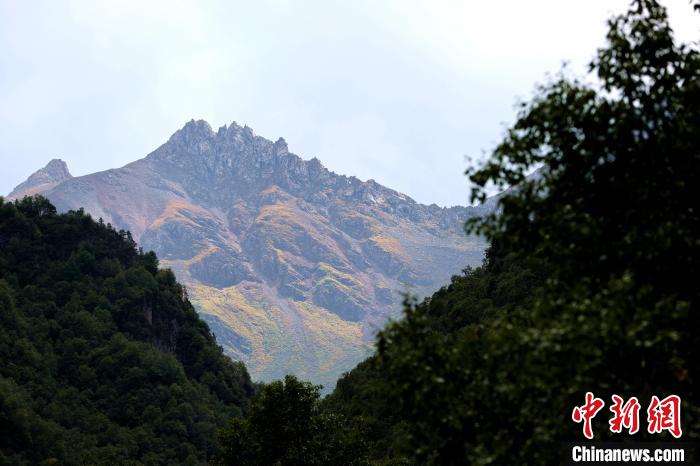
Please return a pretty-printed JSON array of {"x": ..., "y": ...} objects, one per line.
[{"x": 398, "y": 91}]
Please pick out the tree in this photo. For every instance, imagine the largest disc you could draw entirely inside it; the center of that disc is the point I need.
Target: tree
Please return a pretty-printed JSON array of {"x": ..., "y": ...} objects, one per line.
[
  {"x": 284, "y": 426},
  {"x": 102, "y": 358},
  {"x": 609, "y": 225}
]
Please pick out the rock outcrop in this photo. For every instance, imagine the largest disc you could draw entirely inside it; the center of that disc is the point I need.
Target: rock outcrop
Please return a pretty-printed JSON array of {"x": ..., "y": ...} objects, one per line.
[{"x": 54, "y": 173}]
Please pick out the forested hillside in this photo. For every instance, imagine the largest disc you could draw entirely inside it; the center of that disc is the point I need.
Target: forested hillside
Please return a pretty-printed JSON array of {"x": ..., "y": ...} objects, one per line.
[
  {"x": 589, "y": 285},
  {"x": 373, "y": 397},
  {"x": 104, "y": 360}
]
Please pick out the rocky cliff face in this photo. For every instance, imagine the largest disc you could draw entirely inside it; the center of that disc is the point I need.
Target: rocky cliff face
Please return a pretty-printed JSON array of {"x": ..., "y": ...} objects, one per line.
[
  {"x": 293, "y": 266},
  {"x": 54, "y": 173}
]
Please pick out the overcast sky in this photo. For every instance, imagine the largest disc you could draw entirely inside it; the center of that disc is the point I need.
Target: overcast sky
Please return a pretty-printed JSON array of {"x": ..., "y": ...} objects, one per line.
[{"x": 398, "y": 91}]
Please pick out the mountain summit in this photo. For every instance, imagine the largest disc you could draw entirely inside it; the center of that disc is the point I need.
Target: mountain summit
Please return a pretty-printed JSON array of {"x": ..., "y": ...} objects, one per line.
[
  {"x": 54, "y": 173},
  {"x": 293, "y": 266}
]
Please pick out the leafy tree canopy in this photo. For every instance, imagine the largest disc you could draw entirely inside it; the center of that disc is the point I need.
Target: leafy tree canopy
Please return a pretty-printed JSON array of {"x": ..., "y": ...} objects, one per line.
[
  {"x": 590, "y": 281},
  {"x": 104, "y": 361},
  {"x": 284, "y": 426}
]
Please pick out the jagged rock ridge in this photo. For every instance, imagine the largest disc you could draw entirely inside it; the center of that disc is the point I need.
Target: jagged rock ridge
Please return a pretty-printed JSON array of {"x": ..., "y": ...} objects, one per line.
[
  {"x": 293, "y": 266},
  {"x": 54, "y": 173}
]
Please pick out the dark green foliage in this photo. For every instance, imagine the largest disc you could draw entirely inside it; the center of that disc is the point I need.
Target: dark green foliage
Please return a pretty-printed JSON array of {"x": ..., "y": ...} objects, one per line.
[
  {"x": 502, "y": 286},
  {"x": 284, "y": 426},
  {"x": 103, "y": 360},
  {"x": 590, "y": 283},
  {"x": 358, "y": 398},
  {"x": 410, "y": 394}
]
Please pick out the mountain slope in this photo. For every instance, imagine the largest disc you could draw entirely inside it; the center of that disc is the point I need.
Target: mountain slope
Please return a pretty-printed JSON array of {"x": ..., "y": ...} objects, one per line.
[
  {"x": 102, "y": 359},
  {"x": 293, "y": 266}
]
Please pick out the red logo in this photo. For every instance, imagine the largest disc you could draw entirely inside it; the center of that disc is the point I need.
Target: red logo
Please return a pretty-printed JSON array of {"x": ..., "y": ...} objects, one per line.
[
  {"x": 624, "y": 415},
  {"x": 587, "y": 412},
  {"x": 661, "y": 415},
  {"x": 665, "y": 415}
]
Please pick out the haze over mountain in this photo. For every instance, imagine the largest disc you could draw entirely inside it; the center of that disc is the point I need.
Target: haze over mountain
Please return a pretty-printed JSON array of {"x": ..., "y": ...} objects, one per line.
[{"x": 293, "y": 266}]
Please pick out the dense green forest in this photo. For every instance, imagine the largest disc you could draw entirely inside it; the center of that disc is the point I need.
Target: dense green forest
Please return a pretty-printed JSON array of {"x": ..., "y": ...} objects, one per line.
[
  {"x": 590, "y": 282},
  {"x": 104, "y": 361}
]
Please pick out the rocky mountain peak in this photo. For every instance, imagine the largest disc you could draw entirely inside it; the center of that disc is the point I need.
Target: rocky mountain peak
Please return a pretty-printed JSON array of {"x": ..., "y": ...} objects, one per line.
[
  {"x": 292, "y": 265},
  {"x": 193, "y": 132},
  {"x": 281, "y": 147},
  {"x": 54, "y": 173},
  {"x": 216, "y": 168},
  {"x": 57, "y": 169}
]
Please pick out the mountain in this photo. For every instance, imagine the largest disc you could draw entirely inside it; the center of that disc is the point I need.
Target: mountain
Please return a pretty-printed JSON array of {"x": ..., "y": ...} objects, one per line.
[
  {"x": 54, "y": 173},
  {"x": 102, "y": 358},
  {"x": 293, "y": 266}
]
